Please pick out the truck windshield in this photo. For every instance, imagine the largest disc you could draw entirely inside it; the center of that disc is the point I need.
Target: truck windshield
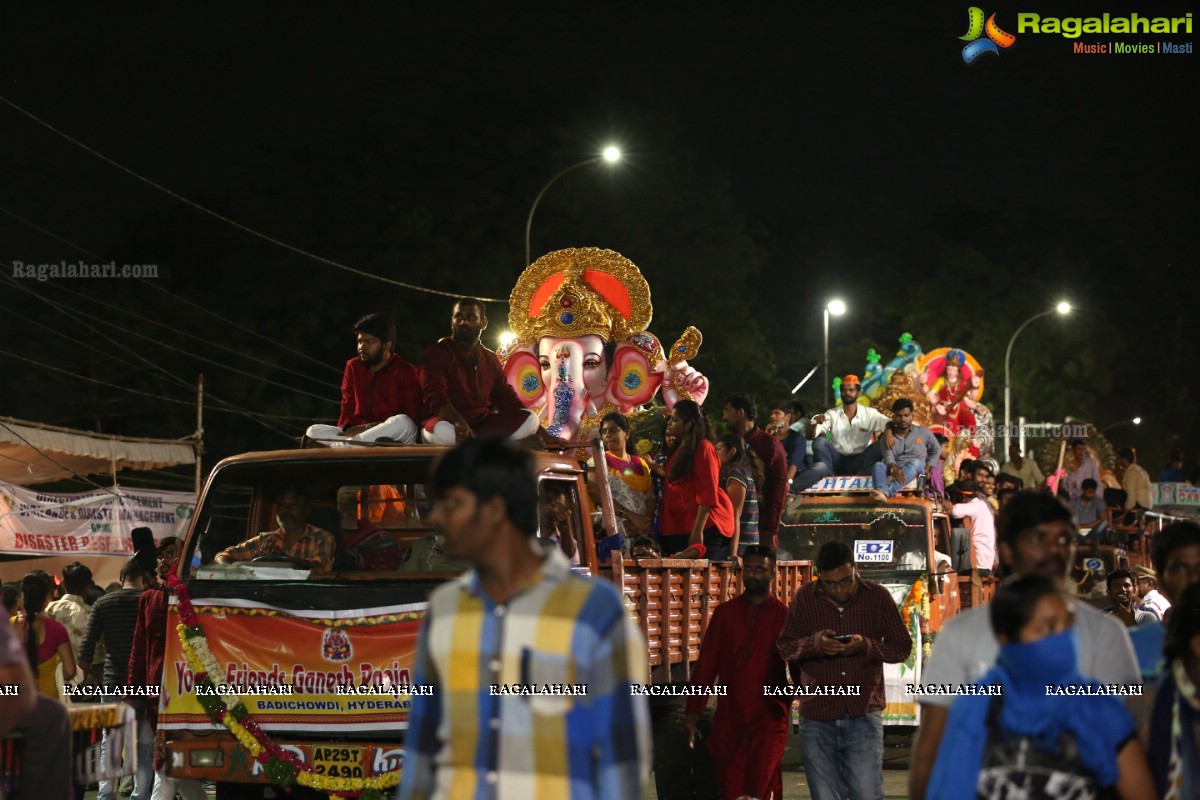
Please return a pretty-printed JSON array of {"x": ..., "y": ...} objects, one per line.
[
  {"x": 349, "y": 519},
  {"x": 881, "y": 538}
]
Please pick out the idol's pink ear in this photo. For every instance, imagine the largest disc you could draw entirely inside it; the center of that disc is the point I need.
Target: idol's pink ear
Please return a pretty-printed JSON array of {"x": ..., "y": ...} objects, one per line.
[
  {"x": 632, "y": 381},
  {"x": 523, "y": 372}
]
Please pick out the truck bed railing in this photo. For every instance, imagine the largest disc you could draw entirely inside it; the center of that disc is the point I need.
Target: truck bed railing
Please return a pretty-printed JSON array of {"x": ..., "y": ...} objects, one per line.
[{"x": 673, "y": 600}]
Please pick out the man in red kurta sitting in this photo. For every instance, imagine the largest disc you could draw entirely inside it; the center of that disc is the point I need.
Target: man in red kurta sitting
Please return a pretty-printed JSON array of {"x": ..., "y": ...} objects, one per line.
[
  {"x": 381, "y": 392},
  {"x": 749, "y": 731},
  {"x": 464, "y": 388}
]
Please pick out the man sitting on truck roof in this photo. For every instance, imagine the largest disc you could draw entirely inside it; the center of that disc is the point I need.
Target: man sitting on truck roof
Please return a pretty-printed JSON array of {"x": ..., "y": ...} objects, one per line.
[
  {"x": 463, "y": 384},
  {"x": 913, "y": 450},
  {"x": 848, "y": 449},
  {"x": 381, "y": 392},
  {"x": 534, "y": 667},
  {"x": 294, "y": 538},
  {"x": 1089, "y": 506}
]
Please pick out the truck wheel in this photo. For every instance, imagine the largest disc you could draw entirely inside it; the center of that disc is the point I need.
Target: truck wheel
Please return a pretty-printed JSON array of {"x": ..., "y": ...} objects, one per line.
[{"x": 681, "y": 773}]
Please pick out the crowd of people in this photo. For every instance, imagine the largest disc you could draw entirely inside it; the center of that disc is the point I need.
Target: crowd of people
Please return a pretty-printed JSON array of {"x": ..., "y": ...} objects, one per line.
[
  {"x": 521, "y": 613},
  {"x": 80, "y": 643}
]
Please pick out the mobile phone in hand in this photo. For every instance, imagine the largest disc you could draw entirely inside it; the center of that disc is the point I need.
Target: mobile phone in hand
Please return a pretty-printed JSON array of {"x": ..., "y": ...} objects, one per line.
[{"x": 843, "y": 638}]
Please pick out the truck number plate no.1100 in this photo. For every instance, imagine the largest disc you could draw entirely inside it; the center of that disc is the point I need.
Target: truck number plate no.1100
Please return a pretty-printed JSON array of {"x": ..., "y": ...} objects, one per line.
[{"x": 338, "y": 762}]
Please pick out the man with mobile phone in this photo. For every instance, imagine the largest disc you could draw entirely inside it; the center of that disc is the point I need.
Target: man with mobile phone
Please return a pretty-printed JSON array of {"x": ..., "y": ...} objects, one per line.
[{"x": 839, "y": 632}]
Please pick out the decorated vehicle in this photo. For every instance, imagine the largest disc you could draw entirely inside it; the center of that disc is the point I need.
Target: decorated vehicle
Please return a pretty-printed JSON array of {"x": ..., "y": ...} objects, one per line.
[
  {"x": 278, "y": 672},
  {"x": 582, "y": 347},
  {"x": 904, "y": 545}
]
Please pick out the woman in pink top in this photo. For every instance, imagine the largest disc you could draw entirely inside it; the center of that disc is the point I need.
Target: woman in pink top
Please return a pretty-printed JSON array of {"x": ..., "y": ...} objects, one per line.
[{"x": 46, "y": 641}]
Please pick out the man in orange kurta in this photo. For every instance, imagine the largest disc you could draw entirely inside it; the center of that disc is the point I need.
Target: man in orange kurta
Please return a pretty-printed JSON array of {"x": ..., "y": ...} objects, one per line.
[{"x": 749, "y": 731}]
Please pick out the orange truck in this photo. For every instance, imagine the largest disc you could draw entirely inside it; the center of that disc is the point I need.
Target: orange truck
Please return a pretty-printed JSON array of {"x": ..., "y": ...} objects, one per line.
[{"x": 275, "y": 672}]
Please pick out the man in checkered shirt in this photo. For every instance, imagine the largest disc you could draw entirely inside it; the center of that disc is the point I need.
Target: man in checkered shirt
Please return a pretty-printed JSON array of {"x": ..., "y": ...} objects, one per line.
[{"x": 506, "y": 648}]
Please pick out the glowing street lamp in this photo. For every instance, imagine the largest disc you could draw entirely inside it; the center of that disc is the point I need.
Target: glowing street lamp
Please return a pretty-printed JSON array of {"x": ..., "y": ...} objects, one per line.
[
  {"x": 836, "y": 307},
  {"x": 1062, "y": 309},
  {"x": 610, "y": 155},
  {"x": 1134, "y": 421}
]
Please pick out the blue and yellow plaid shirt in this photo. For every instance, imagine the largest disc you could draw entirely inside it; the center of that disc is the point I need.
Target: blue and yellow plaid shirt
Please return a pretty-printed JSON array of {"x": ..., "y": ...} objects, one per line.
[{"x": 566, "y": 630}]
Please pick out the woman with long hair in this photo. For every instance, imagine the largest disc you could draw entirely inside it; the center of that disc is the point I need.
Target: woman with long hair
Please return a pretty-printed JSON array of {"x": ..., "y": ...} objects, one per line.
[
  {"x": 741, "y": 475},
  {"x": 694, "y": 509},
  {"x": 46, "y": 642},
  {"x": 629, "y": 478}
]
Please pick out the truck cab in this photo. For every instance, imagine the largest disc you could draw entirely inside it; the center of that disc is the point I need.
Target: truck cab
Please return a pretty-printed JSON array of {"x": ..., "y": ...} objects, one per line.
[{"x": 311, "y": 665}]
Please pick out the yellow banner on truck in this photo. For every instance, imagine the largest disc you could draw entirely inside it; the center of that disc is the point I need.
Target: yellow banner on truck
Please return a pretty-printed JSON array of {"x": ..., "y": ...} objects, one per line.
[{"x": 296, "y": 670}]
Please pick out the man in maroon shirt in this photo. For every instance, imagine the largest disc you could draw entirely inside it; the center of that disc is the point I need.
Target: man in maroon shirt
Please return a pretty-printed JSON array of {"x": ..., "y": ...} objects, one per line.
[
  {"x": 464, "y": 390},
  {"x": 739, "y": 414},
  {"x": 839, "y": 633},
  {"x": 749, "y": 730},
  {"x": 381, "y": 392}
]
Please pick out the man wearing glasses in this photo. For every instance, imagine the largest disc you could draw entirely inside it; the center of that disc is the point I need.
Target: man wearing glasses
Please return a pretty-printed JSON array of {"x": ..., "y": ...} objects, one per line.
[
  {"x": 1035, "y": 535},
  {"x": 839, "y": 633}
]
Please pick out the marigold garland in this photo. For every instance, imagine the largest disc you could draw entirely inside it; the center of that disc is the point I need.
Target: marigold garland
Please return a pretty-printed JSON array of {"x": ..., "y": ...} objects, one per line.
[
  {"x": 918, "y": 598},
  {"x": 280, "y": 766}
]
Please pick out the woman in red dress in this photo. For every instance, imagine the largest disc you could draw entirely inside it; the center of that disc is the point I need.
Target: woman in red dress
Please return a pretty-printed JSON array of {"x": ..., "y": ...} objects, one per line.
[{"x": 695, "y": 510}]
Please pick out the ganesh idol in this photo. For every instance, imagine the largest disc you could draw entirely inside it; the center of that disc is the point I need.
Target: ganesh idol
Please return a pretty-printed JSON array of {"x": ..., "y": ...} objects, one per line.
[{"x": 582, "y": 349}]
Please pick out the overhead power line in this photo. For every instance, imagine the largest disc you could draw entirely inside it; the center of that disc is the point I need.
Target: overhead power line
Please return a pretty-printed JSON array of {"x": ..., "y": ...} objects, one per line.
[
  {"x": 99, "y": 258},
  {"x": 253, "y": 416},
  {"x": 234, "y": 223},
  {"x": 76, "y": 313},
  {"x": 257, "y": 334}
]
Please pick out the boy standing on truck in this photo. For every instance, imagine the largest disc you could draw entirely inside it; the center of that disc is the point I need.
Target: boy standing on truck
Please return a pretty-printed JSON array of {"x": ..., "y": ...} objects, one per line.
[{"x": 532, "y": 667}]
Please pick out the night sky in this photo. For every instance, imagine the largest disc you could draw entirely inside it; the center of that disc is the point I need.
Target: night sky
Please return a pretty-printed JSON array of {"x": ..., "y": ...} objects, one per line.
[{"x": 863, "y": 120}]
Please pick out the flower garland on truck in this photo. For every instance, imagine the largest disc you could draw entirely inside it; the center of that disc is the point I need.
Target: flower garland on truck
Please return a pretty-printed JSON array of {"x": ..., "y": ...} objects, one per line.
[{"x": 280, "y": 766}]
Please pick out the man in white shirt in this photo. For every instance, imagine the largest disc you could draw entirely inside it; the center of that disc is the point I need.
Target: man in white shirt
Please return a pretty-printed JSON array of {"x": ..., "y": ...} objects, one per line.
[
  {"x": 983, "y": 525},
  {"x": 849, "y": 448},
  {"x": 1134, "y": 480},
  {"x": 71, "y": 611},
  {"x": 1036, "y": 535},
  {"x": 1024, "y": 468},
  {"x": 1085, "y": 467},
  {"x": 1146, "y": 586}
]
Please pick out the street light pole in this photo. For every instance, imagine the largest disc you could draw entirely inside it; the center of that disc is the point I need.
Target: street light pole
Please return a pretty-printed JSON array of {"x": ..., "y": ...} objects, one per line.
[
  {"x": 825, "y": 358},
  {"x": 1134, "y": 421},
  {"x": 1062, "y": 308},
  {"x": 611, "y": 155},
  {"x": 837, "y": 308}
]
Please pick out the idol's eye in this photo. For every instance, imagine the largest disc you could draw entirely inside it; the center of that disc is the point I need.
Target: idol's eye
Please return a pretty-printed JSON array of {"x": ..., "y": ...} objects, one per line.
[
  {"x": 544, "y": 363},
  {"x": 591, "y": 363}
]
